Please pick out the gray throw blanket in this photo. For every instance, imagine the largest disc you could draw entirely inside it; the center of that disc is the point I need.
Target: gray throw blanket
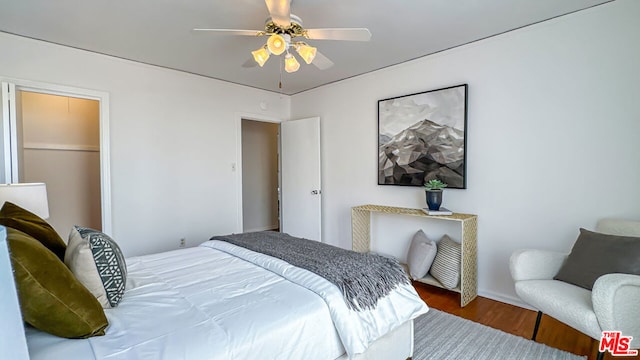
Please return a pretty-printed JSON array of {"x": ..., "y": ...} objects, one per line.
[{"x": 363, "y": 278}]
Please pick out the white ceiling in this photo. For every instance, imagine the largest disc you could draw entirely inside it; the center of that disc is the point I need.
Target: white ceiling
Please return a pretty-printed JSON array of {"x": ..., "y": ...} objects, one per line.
[{"x": 159, "y": 32}]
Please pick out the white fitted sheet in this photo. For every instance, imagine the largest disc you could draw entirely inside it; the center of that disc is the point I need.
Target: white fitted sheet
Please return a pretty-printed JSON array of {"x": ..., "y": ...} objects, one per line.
[{"x": 207, "y": 303}]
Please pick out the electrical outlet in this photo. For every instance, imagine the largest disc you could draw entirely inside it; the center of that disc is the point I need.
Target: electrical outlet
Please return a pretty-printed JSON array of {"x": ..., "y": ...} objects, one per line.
[{"x": 183, "y": 242}]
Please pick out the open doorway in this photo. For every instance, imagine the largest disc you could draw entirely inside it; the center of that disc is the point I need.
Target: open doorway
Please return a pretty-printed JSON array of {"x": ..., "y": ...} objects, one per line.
[
  {"x": 59, "y": 145},
  {"x": 260, "y": 203},
  {"x": 59, "y": 135}
]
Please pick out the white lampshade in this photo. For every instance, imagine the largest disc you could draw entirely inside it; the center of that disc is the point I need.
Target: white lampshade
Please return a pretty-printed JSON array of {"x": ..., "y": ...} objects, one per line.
[{"x": 30, "y": 196}]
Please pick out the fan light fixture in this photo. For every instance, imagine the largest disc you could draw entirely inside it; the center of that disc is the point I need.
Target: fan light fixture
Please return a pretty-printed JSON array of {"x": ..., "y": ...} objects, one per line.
[
  {"x": 261, "y": 55},
  {"x": 277, "y": 44},
  {"x": 290, "y": 63},
  {"x": 306, "y": 52}
]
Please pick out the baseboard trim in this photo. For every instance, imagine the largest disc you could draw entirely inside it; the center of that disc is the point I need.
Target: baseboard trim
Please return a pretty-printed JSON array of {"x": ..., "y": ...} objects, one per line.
[{"x": 505, "y": 299}]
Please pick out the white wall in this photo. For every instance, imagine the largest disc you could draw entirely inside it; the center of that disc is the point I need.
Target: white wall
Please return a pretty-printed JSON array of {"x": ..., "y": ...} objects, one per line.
[
  {"x": 553, "y": 127},
  {"x": 259, "y": 175},
  {"x": 173, "y": 140}
]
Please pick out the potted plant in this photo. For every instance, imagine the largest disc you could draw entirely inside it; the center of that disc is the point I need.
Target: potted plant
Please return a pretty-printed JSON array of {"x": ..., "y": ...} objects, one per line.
[{"x": 433, "y": 189}]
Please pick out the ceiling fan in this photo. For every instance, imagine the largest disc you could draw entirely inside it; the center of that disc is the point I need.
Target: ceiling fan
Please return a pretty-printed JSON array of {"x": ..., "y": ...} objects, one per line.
[{"x": 283, "y": 30}]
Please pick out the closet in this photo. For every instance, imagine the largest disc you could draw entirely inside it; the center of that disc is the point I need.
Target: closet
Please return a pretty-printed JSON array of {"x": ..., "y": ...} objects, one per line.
[{"x": 59, "y": 144}]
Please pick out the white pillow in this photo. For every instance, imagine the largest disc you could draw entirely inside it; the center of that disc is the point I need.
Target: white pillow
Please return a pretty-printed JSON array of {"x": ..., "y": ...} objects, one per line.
[
  {"x": 97, "y": 262},
  {"x": 421, "y": 254},
  {"x": 446, "y": 265}
]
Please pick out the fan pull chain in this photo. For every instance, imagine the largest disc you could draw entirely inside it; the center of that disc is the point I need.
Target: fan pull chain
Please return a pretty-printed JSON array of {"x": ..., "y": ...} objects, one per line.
[{"x": 280, "y": 82}]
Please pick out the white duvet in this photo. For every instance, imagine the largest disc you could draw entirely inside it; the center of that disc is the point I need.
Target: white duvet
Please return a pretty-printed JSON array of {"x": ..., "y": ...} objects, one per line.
[{"x": 220, "y": 301}]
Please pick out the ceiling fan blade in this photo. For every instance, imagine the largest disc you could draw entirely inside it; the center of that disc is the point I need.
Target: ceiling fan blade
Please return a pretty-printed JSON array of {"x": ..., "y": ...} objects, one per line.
[
  {"x": 322, "y": 62},
  {"x": 351, "y": 34},
  {"x": 280, "y": 12},
  {"x": 229, "y": 32}
]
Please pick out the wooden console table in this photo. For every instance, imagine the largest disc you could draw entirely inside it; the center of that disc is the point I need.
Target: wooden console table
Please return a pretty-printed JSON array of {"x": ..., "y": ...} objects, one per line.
[{"x": 468, "y": 287}]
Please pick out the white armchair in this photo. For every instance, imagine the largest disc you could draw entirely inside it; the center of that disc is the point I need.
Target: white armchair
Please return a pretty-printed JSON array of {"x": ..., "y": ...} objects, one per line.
[{"x": 612, "y": 305}]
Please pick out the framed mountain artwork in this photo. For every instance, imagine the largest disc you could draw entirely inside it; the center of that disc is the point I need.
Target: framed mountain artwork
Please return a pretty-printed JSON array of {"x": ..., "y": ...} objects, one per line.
[{"x": 423, "y": 136}]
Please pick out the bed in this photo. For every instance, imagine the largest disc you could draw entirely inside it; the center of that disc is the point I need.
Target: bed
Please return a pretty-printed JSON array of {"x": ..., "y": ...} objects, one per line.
[{"x": 222, "y": 301}]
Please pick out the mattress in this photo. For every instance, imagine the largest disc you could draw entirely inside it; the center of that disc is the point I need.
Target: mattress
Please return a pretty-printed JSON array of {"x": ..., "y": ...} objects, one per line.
[{"x": 219, "y": 301}]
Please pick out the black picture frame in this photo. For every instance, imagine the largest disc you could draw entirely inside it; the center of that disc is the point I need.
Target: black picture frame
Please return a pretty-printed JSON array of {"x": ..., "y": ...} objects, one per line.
[{"x": 423, "y": 136}]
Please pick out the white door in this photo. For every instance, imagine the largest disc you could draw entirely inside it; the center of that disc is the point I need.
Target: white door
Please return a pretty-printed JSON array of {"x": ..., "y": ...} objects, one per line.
[
  {"x": 9, "y": 137},
  {"x": 300, "y": 178}
]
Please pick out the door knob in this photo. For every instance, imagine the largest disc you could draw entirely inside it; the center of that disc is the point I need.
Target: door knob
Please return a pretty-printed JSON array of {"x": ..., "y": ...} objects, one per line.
[{"x": 315, "y": 192}]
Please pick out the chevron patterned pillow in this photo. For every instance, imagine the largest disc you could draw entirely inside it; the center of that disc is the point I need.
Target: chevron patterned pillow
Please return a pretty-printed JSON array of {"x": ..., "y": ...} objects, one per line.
[{"x": 97, "y": 262}]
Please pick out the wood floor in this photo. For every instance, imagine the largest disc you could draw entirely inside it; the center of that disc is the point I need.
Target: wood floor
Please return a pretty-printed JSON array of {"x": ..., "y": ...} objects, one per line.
[{"x": 514, "y": 320}]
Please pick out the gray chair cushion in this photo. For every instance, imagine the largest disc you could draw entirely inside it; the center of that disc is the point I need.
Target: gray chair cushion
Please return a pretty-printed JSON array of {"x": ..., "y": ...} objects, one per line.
[{"x": 595, "y": 254}]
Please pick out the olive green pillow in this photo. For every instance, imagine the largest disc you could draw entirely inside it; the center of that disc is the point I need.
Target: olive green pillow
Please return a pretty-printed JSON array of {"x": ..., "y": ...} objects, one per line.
[
  {"x": 51, "y": 299},
  {"x": 13, "y": 216}
]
